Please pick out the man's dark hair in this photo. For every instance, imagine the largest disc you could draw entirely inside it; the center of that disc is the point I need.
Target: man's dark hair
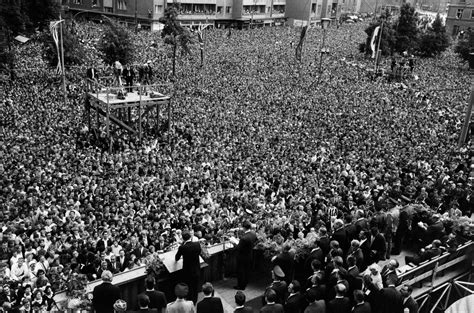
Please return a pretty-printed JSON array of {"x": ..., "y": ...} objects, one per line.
[
  {"x": 186, "y": 235},
  {"x": 296, "y": 285},
  {"x": 358, "y": 295},
  {"x": 270, "y": 295},
  {"x": 143, "y": 301},
  {"x": 207, "y": 289},
  {"x": 150, "y": 283},
  {"x": 351, "y": 261},
  {"x": 316, "y": 264},
  {"x": 239, "y": 298}
]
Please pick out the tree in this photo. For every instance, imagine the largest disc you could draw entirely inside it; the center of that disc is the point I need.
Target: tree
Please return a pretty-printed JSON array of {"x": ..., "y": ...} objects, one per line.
[
  {"x": 74, "y": 52},
  {"x": 40, "y": 12},
  {"x": 116, "y": 43},
  {"x": 407, "y": 30},
  {"x": 174, "y": 34},
  {"x": 435, "y": 40}
]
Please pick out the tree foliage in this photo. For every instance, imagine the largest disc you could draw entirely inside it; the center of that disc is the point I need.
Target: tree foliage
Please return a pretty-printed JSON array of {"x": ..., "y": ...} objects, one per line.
[
  {"x": 74, "y": 52},
  {"x": 40, "y": 12},
  {"x": 407, "y": 30},
  {"x": 116, "y": 44},
  {"x": 174, "y": 34},
  {"x": 435, "y": 40}
]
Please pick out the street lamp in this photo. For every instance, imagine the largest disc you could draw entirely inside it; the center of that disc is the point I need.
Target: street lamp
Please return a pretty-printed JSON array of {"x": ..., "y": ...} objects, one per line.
[{"x": 324, "y": 25}]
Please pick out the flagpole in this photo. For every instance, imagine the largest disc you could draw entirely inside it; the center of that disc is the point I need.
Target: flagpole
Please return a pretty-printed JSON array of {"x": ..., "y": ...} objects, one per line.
[
  {"x": 62, "y": 60},
  {"x": 378, "y": 49}
]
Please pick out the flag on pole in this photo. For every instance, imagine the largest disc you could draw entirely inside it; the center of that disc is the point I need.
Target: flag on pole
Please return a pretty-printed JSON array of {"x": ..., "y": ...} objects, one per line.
[
  {"x": 372, "y": 41},
  {"x": 299, "y": 48},
  {"x": 201, "y": 43},
  {"x": 54, "y": 29}
]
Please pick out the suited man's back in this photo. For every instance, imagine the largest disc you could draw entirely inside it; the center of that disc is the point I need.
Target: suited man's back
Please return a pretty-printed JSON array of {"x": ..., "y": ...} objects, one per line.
[
  {"x": 190, "y": 252},
  {"x": 245, "y": 309},
  {"x": 316, "y": 307},
  {"x": 362, "y": 308},
  {"x": 104, "y": 297},
  {"x": 391, "y": 300},
  {"x": 210, "y": 305},
  {"x": 245, "y": 246},
  {"x": 339, "y": 305},
  {"x": 157, "y": 299}
]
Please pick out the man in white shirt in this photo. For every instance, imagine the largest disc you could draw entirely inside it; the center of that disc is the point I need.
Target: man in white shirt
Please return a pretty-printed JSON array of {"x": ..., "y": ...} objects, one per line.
[{"x": 19, "y": 270}]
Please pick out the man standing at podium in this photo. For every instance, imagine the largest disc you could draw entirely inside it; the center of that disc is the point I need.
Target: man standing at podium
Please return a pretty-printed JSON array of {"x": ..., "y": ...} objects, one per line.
[
  {"x": 190, "y": 252},
  {"x": 244, "y": 255}
]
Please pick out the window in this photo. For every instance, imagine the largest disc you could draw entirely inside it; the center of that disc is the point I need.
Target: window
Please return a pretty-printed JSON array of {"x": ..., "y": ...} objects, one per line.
[
  {"x": 228, "y": 10},
  {"x": 459, "y": 13},
  {"x": 122, "y": 5},
  {"x": 108, "y": 10},
  {"x": 77, "y": 1},
  {"x": 158, "y": 9},
  {"x": 219, "y": 10},
  {"x": 472, "y": 13},
  {"x": 95, "y": 3}
]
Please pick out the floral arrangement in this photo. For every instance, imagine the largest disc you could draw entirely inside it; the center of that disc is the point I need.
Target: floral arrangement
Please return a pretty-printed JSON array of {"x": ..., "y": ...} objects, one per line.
[
  {"x": 76, "y": 291},
  {"x": 153, "y": 264}
]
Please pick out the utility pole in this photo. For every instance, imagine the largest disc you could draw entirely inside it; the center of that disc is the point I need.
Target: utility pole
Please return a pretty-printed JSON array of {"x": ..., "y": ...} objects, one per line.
[
  {"x": 136, "y": 17},
  {"x": 467, "y": 121},
  {"x": 378, "y": 49}
]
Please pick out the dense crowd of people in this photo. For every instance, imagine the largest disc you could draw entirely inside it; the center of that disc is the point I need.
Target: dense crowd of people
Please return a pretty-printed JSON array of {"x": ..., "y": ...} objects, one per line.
[{"x": 255, "y": 136}]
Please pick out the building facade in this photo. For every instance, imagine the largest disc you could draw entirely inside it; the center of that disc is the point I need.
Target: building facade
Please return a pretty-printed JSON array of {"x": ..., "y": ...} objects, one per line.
[
  {"x": 460, "y": 16},
  {"x": 145, "y": 14}
]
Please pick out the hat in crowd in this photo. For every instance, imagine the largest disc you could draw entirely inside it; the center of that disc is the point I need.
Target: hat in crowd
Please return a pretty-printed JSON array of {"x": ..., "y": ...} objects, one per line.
[
  {"x": 120, "y": 305},
  {"x": 278, "y": 272}
]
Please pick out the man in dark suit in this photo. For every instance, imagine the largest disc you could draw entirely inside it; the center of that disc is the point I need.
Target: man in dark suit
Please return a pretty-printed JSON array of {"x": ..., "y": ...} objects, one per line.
[
  {"x": 340, "y": 304},
  {"x": 295, "y": 302},
  {"x": 426, "y": 253},
  {"x": 244, "y": 255},
  {"x": 408, "y": 301},
  {"x": 361, "y": 306},
  {"x": 190, "y": 252},
  {"x": 271, "y": 306},
  {"x": 357, "y": 253},
  {"x": 361, "y": 222},
  {"x": 316, "y": 254},
  {"x": 157, "y": 299},
  {"x": 389, "y": 271},
  {"x": 143, "y": 305},
  {"x": 240, "y": 303},
  {"x": 350, "y": 228},
  {"x": 140, "y": 251},
  {"x": 209, "y": 304},
  {"x": 286, "y": 261},
  {"x": 390, "y": 299},
  {"x": 122, "y": 261},
  {"x": 129, "y": 75},
  {"x": 378, "y": 246},
  {"x": 340, "y": 235},
  {"x": 105, "y": 294},
  {"x": 324, "y": 241}
]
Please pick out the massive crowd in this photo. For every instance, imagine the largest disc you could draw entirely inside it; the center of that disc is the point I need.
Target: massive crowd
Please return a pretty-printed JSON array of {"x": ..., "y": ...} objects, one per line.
[{"x": 255, "y": 136}]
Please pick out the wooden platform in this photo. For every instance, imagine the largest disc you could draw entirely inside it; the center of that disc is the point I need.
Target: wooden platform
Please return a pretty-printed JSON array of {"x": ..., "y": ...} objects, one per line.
[{"x": 132, "y": 98}]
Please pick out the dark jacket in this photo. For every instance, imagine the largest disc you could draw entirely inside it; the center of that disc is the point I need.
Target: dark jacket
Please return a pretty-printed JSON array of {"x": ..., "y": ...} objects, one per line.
[
  {"x": 272, "y": 308},
  {"x": 157, "y": 299},
  {"x": 294, "y": 303},
  {"x": 411, "y": 304},
  {"x": 391, "y": 300},
  {"x": 245, "y": 309},
  {"x": 339, "y": 305},
  {"x": 210, "y": 305},
  {"x": 318, "y": 306},
  {"x": 190, "y": 252},
  {"x": 104, "y": 297},
  {"x": 362, "y": 308},
  {"x": 286, "y": 262},
  {"x": 245, "y": 247}
]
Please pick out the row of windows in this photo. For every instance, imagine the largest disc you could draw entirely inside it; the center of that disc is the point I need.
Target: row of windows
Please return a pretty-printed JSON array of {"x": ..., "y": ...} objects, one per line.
[{"x": 460, "y": 13}]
